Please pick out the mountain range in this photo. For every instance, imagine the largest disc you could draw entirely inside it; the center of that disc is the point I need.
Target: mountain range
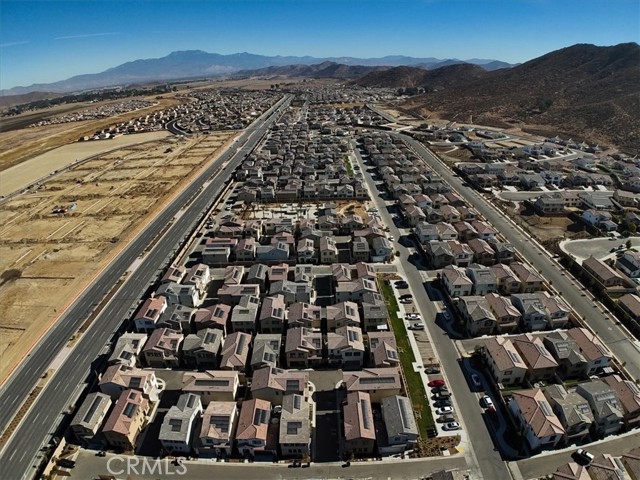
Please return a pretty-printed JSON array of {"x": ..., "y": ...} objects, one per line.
[{"x": 199, "y": 64}]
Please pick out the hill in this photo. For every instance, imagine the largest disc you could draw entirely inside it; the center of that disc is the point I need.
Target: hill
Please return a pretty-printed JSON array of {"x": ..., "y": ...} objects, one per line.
[
  {"x": 583, "y": 91},
  {"x": 443, "y": 77},
  {"x": 198, "y": 64},
  {"x": 320, "y": 70}
]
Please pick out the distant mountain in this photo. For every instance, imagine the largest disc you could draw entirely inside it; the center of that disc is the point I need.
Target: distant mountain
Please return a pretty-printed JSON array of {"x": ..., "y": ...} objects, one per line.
[
  {"x": 7, "y": 101},
  {"x": 584, "y": 91},
  {"x": 443, "y": 77},
  {"x": 196, "y": 63},
  {"x": 320, "y": 70}
]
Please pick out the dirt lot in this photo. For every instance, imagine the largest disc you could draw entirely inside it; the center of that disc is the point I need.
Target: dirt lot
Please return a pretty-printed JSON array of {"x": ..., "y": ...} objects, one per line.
[{"x": 46, "y": 258}]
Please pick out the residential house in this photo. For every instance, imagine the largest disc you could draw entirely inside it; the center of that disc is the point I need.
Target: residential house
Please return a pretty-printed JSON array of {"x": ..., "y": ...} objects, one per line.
[
  {"x": 149, "y": 314},
  {"x": 607, "y": 410},
  {"x": 253, "y": 428},
  {"x": 567, "y": 353},
  {"x": 505, "y": 253},
  {"x": 127, "y": 349},
  {"x": 376, "y": 315},
  {"x": 215, "y": 316},
  {"x": 328, "y": 251},
  {"x": 556, "y": 309},
  {"x": 245, "y": 314},
  {"x": 533, "y": 311},
  {"x": 602, "y": 273},
  {"x": 174, "y": 274},
  {"x": 272, "y": 253},
  {"x": 600, "y": 219},
  {"x": 303, "y": 347},
  {"x": 535, "y": 419},
  {"x": 118, "y": 378},
  {"x": 456, "y": 281},
  {"x": 359, "y": 429},
  {"x": 446, "y": 231},
  {"x": 302, "y": 314},
  {"x": 382, "y": 249},
  {"x": 462, "y": 253},
  {"x": 540, "y": 363},
  {"x": 273, "y": 314},
  {"x": 178, "y": 425},
  {"x": 508, "y": 282},
  {"x": 483, "y": 254},
  {"x": 629, "y": 396},
  {"x": 183, "y": 294},
  {"x": 478, "y": 316},
  {"x": 439, "y": 254},
  {"x": 273, "y": 384},
  {"x": 595, "y": 352},
  {"x": 346, "y": 347},
  {"x": 217, "y": 430},
  {"x": 572, "y": 410},
  {"x": 177, "y": 317},
  {"x": 530, "y": 280},
  {"x": 483, "y": 280},
  {"x": 258, "y": 275},
  {"x": 630, "y": 304},
  {"x": 245, "y": 251},
  {"x": 400, "y": 432},
  {"x": 235, "y": 351},
  {"x": 504, "y": 362},
  {"x": 343, "y": 314},
  {"x": 426, "y": 232},
  {"x": 383, "y": 351},
  {"x": 278, "y": 273},
  {"x": 294, "y": 436},
  {"x": 202, "y": 349},
  {"x": 360, "y": 251},
  {"x": 126, "y": 420},
  {"x": 377, "y": 382},
  {"x": 212, "y": 385},
  {"x": 162, "y": 349},
  {"x": 292, "y": 291},
  {"x": 266, "y": 350},
  {"x": 629, "y": 263},
  {"x": 88, "y": 419},
  {"x": 198, "y": 276},
  {"x": 507, "y": 316},
  {"x": 355, "y": 291}
]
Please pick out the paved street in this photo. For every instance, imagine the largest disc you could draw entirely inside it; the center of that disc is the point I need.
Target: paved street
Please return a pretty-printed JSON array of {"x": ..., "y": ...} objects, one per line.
[
  {"x": 598, "y": 247},
  {"x": 17, "y": 457},
  {"x": 615, "y": 337},
  {"x": 89, "y": 466},
  {"x": 540, "y": 465},
  {"x": 482, "y": 457}
]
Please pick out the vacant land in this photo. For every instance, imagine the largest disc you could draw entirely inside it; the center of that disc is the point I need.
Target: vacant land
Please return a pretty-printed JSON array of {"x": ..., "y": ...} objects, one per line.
[{"x": 46, "y": 258}]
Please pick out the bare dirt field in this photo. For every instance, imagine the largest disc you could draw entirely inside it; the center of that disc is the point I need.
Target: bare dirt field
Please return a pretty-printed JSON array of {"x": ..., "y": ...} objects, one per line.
[
  {"x": 46, "y": 258},
  {"x": 18, "y": 176},
  {"x": 19, "y": 145}
]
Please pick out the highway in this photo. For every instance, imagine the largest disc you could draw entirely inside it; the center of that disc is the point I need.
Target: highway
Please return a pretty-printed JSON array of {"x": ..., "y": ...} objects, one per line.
[
  {"x": 40, "y": 424},
  {"x": 617, "y": 339}
]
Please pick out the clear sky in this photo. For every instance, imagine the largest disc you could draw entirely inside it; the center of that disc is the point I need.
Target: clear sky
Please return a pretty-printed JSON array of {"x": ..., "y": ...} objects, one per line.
[{"x": 44, "y": 41}]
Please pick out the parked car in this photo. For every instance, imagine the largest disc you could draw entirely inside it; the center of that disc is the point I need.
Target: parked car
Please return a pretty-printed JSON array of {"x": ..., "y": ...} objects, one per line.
[
  {"x": 440, "y": 389},
  {"x": 431, "y": 370},
  {"x": 486, "y": 401},
  {"x": 401, "y": 284},
  {"x": 442, "y": 403},
  {"x": 406, "y": 300},
  {"x": 451, "y": 426},
  {"x": 444, "y": 410},
  {"x": 412, "y": 316},
  {"x": 583, "y": 457},
  {"x": 475, "y": 379},
  {"x": 446, "y": 418},
  {"x": 417, "y": 326},
  {"x": 436, "y": 383},
  {"x": 442, "y": 395}
]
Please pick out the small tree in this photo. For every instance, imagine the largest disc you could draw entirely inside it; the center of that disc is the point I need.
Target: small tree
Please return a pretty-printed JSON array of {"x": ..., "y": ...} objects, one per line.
[{"x": 628, "y": 244}]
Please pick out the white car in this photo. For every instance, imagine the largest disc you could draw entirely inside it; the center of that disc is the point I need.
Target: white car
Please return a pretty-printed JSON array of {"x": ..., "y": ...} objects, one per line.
[
  {"x": 444, "y": 410},
  {"x": 486, "y": 401},
  {"x": 451, "y": 426},
  {"x": 417, "y": 326},
  {"x": 412, "y": 316}
]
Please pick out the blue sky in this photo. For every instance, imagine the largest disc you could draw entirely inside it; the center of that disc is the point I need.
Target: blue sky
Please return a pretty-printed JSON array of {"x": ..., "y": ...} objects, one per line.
[{"x": 44, "y": 41}]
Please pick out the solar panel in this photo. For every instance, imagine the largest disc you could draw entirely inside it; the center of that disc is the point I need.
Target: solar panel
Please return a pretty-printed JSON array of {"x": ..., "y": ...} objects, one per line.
[
  {"x": 293, "y": 427},
  {"x": 92, "y": 409},
  {"x": 366, "y": 414},
  {"x": 209, "y": 337},
  {"x": 514, "y": 357},
  {"x": 404, "y": 414},
  {"x": 296, "y": 402},
  {"x": 191, "y": 400},
  {"x": 392, "y": 354},
  {"x": 130, "y": 409},
  {"x": 293, "y": 385},
  {"x": 370, "y": 380},
  {"x": 176, "y": 424},
  {"x": 240, "y": 346},
  {"x": 546, "y": 409},
  {"x": 220, "y": 422},
  {"x": 260, "y": 416},
  {"x": 211, "y": 383}
]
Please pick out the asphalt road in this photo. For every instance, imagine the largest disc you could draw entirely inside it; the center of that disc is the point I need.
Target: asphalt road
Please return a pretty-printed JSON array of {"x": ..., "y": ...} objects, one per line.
[
  {"x": 598, "y": 247},
  {"x": 90, "y": 466},
  {"x": 616, "y": 338},
  {"x": 17, "y": 458},
  {"x": 483, "y": 455}
]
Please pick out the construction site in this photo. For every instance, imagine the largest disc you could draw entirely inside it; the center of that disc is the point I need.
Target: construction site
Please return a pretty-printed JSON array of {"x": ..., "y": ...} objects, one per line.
[{"x": 57, "y": 236}]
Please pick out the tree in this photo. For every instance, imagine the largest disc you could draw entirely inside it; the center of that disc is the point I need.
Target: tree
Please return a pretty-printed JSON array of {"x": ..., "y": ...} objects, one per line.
[{"x": 628, "y": 244}]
